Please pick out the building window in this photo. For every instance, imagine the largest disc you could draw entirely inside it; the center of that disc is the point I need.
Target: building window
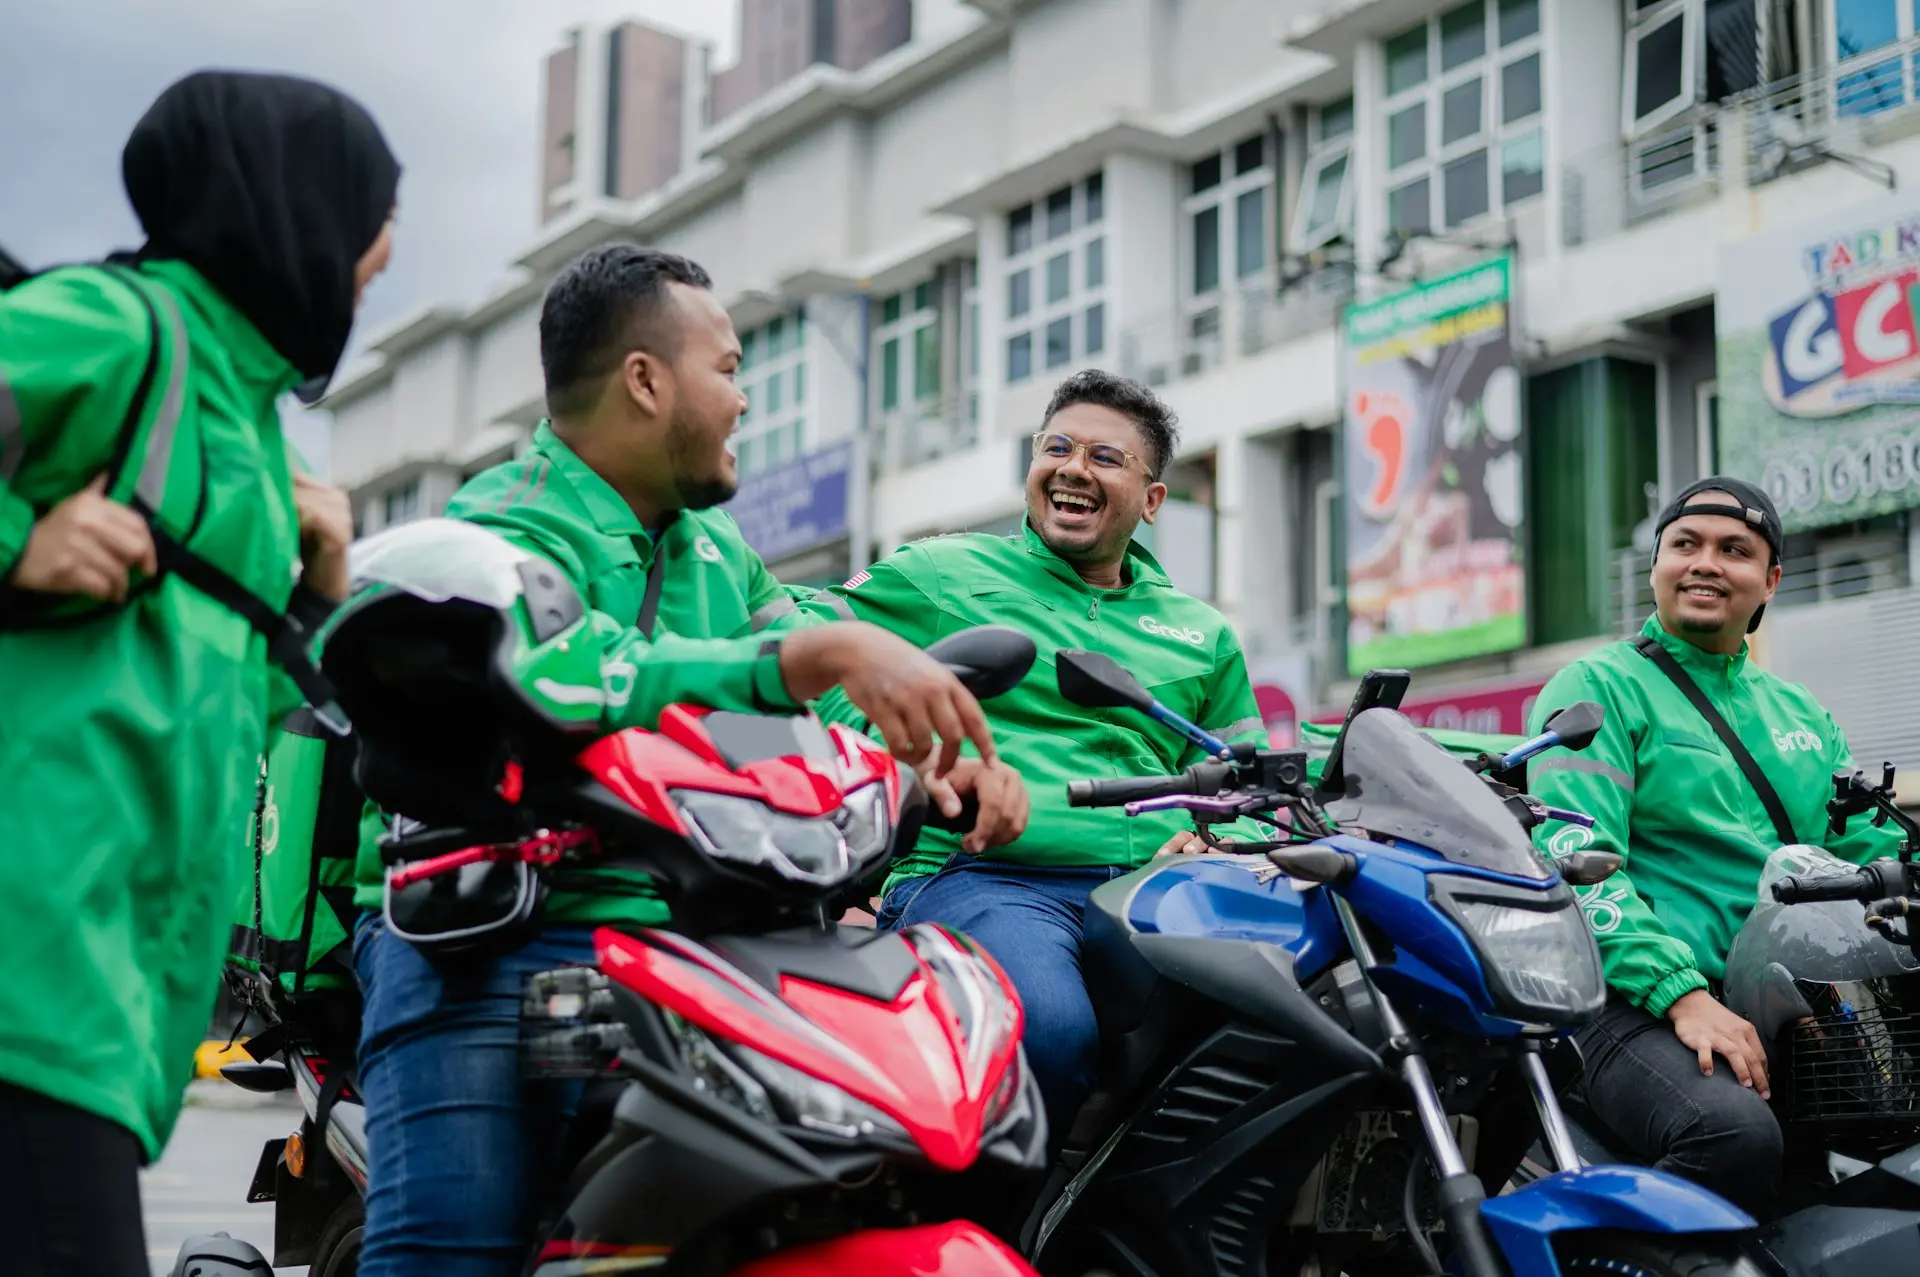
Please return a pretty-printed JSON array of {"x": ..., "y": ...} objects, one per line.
[
  {"x": 1056, "y": 277},
  {"x": 1325, "y": 212},
  {"x": 909, "y": 342},
  {"x": 402, "y": 503},
  {"x": 773, "y": 376},
  {"x": 1859, "y": 33},
  {"x": 1464, "y": 125},
  {"x": 1226, "y": 214}
]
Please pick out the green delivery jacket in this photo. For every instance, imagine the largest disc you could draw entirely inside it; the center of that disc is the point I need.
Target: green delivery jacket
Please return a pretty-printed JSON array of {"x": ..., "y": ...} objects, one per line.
[
  {"x": 1180, "y": 649},
  {"x": 715, "y": 594},
  {"x": 1667, "y": 795},
  {"x": 129, "y": 742}
]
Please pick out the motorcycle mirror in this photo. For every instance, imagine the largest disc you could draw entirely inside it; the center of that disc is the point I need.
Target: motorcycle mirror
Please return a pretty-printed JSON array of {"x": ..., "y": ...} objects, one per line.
[
  {"x": 989, "y": 660},
  {"x": 1097, "y": 682},
  {"x": 1577, "y": 724},
  {"x": 1585, "y": 868}
]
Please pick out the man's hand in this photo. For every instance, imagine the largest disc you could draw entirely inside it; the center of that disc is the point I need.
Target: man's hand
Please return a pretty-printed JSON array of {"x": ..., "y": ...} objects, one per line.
[
  {"x": 88, "y": 544},
  {"x": 326, "y": 530},
  {"x": 1001, "y": 793},
  {"x": 1186, "y": 842},
  {"x": 1708, "y": 1029},
  {"x": 910, "y": 697}
]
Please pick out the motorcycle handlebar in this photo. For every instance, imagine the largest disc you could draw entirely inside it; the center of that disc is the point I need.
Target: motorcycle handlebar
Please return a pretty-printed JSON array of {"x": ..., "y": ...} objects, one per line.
[
  {"x": 1861, "y": 884},
  {"x": 1201, "y": 778}
]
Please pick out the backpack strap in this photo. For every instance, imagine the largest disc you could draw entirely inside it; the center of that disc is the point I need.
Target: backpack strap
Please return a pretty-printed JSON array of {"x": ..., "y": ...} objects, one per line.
[
  {"x": 287, "y": 634},
  {"x": 1650, "y": 647}
]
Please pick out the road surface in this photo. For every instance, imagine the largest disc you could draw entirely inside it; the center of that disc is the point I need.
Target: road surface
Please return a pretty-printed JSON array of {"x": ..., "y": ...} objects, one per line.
[{"x": 200, "y": 1184}]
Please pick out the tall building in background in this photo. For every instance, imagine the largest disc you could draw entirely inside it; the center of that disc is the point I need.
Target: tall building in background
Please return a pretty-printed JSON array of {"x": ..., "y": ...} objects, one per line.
[
  {"x": 781, "y": 38},
  {"x": 623, "y": 105}
]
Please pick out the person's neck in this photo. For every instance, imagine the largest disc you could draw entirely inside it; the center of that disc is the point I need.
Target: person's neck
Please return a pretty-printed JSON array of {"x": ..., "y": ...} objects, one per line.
[
  {"x": 1717, "y": 643},
  {"x": 1103, "y": 576},
  {"x": 591, "y": 447}
]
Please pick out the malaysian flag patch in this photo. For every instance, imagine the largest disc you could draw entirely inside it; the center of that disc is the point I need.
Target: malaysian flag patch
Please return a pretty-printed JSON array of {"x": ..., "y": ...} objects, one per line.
[{"x": 858, "y": 579}]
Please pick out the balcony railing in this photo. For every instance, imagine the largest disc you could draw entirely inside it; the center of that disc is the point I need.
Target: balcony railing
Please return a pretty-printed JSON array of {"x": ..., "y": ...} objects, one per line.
[
  {"x": 925, "y": 431},
  {"x": 1617, "y": 186},
  {"x": 1830, "y": 112}
]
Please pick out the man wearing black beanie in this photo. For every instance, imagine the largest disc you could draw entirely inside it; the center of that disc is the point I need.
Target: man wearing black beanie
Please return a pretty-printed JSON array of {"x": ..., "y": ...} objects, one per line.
[{"x": 1695, "y": 822}]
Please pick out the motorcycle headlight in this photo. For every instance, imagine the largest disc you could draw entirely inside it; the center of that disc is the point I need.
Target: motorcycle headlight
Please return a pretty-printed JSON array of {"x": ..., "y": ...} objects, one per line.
[
  {"x": 763, "y": 1087},
  {"x": 989, "y": 1016},
  {"x": 807, "y": 849},
  {"x": 865, "y": 824},
  {"x": 1536, "y": 961},
  {"x": 1538, "y": 956}
]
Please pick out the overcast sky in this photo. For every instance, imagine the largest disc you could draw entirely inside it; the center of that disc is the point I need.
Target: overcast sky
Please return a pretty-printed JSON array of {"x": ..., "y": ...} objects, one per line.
[{"x": 454, "y": 83}]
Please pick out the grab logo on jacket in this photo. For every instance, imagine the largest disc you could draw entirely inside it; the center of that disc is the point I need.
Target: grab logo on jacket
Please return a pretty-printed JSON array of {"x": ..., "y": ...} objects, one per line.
[
  {"x": 1798, "y": 740},
  {"x": 1180, "y": 632}
]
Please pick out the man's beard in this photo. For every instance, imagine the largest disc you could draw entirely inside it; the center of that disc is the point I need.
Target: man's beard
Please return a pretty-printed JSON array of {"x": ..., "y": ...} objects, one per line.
[{"x": 696, "y": 492}]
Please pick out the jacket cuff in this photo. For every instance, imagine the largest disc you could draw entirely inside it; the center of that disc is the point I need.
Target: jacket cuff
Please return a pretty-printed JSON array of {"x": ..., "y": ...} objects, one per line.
[
  {"x": 16, "y": 525},
  {"x": 769, "y": 687},
  {"x": 1670, "y": 990}
]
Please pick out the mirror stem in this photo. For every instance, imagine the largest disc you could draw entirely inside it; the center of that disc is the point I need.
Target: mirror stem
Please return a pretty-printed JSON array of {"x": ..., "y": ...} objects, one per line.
[{"x": 1204, "y": 739}]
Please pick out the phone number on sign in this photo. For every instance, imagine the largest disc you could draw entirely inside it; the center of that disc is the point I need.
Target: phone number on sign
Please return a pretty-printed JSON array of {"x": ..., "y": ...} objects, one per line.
[{"x": 1846, "y": 473}]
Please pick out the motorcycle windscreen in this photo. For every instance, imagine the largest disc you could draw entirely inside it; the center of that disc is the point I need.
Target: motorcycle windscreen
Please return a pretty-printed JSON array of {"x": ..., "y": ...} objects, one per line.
[
  {"x": 1402, "y": 784},
  {"x": 441, "y": 559}
]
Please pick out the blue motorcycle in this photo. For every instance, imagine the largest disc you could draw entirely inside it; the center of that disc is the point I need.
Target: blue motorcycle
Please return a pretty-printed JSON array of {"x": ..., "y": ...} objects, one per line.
[{"x": 1327, "y": 1052}]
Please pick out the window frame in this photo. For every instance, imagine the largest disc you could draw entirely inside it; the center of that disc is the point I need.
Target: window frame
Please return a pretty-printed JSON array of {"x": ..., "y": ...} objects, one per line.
[
  {"x": 1225, "y": 196},
  {"x": 1079, "y": 298},
  {"x": 757, "y": 370},
  {"x": 1322, "y": 154},
  {"x": 1492, "y": 137},
  {"x": 1878, "y": 59},
  {"x": 1691, "y": 15},
  {"x": 913, "y": 320}
]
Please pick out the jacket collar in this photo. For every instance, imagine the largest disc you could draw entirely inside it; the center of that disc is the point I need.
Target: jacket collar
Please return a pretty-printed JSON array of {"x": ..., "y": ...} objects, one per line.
[
  {"x": 1693, "y": 659},
  {"x": 1142, "y": 568},
  {"x": 607, "y": 508},
  {"x": 254, "y": 361}
]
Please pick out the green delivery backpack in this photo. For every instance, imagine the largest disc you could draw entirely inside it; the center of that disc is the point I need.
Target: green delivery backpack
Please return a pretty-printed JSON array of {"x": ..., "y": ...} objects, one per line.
[{"x": 296, "y": 920}]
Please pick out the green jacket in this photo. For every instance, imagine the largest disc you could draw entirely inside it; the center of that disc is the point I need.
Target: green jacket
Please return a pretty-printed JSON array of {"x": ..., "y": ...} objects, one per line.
[
  {"x": 128, "y": 743},
  {"x": 1182, "y": 650},
  {"x": 714, "y": 595},
  {"x": 1667, "y": 795}
]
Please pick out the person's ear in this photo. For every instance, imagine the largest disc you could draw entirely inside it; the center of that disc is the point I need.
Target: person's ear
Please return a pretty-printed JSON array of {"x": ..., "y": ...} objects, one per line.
[
  {"x": 1156, "y": 495},
  {"x": 648, "y": 382},
  {"x": 1773, "y": 580}
]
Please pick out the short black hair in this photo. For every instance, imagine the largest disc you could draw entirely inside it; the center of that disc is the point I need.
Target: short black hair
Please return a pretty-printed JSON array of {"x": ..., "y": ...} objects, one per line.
[
  {"x": 604, "y": 303},
  {"x": 1131, "y": 400}
]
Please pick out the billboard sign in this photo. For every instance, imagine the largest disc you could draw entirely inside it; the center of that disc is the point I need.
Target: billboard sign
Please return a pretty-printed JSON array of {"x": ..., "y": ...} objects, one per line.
[
  {"x": 1819, "y": 363},
  {"x": 1433, "y": 474}
]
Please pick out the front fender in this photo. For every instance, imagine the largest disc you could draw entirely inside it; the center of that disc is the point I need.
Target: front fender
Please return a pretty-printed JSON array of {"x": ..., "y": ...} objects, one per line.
[{"x": 1628, "y": 1198}]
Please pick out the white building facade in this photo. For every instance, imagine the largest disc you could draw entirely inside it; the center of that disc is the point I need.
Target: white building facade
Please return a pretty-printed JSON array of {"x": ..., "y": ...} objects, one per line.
[{"x": 1189, "y": 192}]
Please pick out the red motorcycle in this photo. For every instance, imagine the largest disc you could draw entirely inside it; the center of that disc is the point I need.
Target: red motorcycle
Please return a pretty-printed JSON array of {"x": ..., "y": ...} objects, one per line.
[{"x": 768, "y": 1091}]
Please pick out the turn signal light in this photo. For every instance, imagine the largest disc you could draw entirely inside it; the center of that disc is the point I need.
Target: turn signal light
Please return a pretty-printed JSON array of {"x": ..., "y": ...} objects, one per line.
[{"x": 296, "y": 1156}]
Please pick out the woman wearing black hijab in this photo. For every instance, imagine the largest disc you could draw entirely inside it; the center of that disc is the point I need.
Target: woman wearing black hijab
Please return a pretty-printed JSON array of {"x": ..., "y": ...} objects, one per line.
[{"x": 130, "y": 734}]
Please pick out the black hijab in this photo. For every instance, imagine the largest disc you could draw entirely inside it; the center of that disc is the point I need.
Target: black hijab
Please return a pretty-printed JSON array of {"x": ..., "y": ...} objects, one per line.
[{"x": 273, "y": 188}]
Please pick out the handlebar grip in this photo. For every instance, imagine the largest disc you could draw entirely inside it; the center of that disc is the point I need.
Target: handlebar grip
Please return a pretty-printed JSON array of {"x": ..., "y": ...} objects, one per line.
[
  {"x": 1201, "y": 778},
  {"x": 1862, "y": 884}
]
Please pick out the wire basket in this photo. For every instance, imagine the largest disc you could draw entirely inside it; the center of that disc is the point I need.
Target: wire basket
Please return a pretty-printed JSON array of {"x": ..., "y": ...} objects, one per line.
[{"x": 1857, "y": 1062}]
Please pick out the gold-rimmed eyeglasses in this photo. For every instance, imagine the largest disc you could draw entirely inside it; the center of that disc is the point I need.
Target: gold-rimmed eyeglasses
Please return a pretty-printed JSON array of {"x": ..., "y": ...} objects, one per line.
[{"x": 1055, "y": 446}]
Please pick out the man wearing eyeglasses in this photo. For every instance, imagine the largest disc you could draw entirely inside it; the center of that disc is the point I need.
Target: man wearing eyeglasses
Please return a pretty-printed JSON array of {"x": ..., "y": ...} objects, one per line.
[{"x": 1072, "y": 578}]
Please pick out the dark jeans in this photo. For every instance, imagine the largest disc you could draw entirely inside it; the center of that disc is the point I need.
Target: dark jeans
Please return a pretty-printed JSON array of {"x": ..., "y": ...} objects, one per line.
[
  {"x": 69, "y": 1191},
  {"x": 1029, "y": 919},
  {"x": 1647, "y": 1090},
  {"x": 457, "y": 1143}
]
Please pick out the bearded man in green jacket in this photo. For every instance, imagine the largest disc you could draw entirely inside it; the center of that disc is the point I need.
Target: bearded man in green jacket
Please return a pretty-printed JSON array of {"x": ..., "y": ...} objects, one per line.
[
  {"x": 1073, "y": 577},
  {"x": 1667, "y": 795}
]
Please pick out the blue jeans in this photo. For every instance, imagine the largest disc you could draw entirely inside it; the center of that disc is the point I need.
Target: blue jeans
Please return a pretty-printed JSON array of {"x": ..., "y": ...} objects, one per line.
[
  {"x": 1030, "y": 919},
  {"x": 457, "y": 1143}
]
